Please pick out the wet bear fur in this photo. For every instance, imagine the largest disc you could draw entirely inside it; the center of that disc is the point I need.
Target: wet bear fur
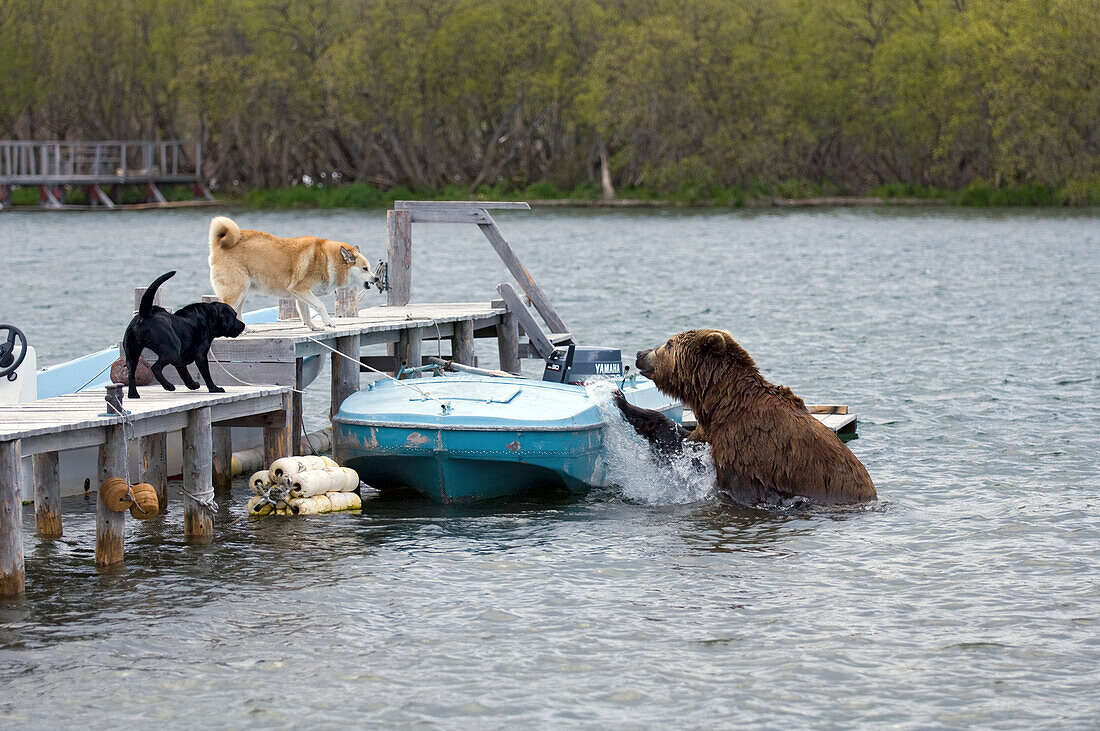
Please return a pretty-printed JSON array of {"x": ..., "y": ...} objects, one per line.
[{"x": 766, "y": 446}]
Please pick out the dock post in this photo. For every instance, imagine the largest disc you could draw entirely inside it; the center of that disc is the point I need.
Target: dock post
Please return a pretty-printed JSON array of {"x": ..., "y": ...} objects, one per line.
[
  {"x": 139, "y": 291},
  {"x": 198, "y": 448},
  {"x": 109, "y": 525},
  {"x": 347, "y": 303},
  {"x": 462, "y": 343},
  {"x": 288, "y": 309},
  {"x": 47, "y": 495},
  {"x": 277, "y": 435},
  {"x": 345, "y": 372},
  {"x": 223, "y": 445},
  {"x": 296, "y": 409},
  {"x": 154, "y": 466},
  {"x": 399, "y": 257},
  {"x": 508, "y": 343},
  {"x": 12, "y": 576},
  {"x": 222, "y": 453},
  {"x": 408, "y": 350}
]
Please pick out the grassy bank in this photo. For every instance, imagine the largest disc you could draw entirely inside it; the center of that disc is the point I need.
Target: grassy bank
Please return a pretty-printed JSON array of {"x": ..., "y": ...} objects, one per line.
[
  {"x": 360, "y": 195},
  {"x": 77, "y": 196},
  {"x": 1085, "y": 192}
]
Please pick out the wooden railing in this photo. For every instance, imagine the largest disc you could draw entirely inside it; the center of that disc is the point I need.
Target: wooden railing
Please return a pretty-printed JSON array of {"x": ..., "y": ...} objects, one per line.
[{"x": 99, "y": 163}]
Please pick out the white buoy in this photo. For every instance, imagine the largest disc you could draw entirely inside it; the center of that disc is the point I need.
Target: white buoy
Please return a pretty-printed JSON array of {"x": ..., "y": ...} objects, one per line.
[
  {"x": 290, "y": 466},
  {"x": 318, "y": 482},
  {"x": 260, "y": 481}
]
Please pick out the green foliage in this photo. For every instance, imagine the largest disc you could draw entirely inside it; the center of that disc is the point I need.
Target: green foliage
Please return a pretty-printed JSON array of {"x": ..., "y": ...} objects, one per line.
[
  {"x": 979, "y": 193},
  {"x": 694, "y": 101},
  {"x": 1080, "y": 192},
  {"x": 891, "y": 191}
]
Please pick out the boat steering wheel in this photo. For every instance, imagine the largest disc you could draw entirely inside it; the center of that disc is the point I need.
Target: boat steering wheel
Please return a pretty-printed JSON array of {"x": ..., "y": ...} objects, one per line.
[{"x": 9, "y": 362}]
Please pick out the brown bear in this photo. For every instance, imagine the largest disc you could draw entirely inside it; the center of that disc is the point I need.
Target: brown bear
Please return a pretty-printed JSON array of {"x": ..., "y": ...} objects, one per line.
[{"x": 765, "y": 444}]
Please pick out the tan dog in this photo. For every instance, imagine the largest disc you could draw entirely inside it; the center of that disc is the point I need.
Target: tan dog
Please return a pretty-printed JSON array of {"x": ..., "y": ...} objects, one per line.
[{"x": 243, "y": 261}]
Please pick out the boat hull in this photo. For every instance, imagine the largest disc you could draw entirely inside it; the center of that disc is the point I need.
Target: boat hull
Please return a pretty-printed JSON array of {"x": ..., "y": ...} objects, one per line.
[
  {"x": 455, "y": 465},
  {"x": 497, "y": 437}
]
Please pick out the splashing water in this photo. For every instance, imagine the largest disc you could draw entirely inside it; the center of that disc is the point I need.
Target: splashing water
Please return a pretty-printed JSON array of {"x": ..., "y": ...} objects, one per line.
[{"x": 629, "y": 464}]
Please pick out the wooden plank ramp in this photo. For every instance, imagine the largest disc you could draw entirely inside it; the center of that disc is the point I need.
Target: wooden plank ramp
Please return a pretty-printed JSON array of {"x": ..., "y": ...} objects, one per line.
[
  {"x": 836, "y": 418},
  {"x": 48, "y": 426}
]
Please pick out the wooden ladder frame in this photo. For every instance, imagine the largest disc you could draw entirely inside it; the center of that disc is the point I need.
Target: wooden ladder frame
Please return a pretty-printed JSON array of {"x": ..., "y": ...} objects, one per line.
[{"x": 399, "y": 263}]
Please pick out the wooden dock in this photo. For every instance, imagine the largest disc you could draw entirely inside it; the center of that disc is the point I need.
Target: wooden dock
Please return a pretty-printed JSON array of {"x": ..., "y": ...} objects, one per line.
[
  {"x": 99, "y": 168},
  {"x": 43, "y": 428},
  {"x": 275, "y": 353}
]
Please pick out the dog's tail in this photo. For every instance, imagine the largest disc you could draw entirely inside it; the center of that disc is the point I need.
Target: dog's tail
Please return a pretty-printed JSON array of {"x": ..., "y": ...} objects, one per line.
[
  {"x": 146, "y": 307},
  {"x": 224, "y": 233}
]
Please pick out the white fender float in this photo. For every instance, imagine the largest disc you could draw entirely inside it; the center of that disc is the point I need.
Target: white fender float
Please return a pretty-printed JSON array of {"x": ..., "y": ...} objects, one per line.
[
  {"x": 290, "y": 466},
  {"x": 260, "y": 482},
  {"x": 318, "y": 482}
]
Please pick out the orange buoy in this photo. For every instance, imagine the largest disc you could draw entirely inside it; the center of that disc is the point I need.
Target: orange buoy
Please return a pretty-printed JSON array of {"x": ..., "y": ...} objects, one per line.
[
  {"x": 145, "y": 505},
  {"x": 115, "y": 494}
]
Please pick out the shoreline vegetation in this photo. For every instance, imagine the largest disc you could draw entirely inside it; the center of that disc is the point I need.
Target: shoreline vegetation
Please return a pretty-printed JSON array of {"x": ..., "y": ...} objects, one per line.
[
  {"x": 360, "y": 195},
  {"x": 355, "y": 103},
  {"x": 1075, "y": 194}
]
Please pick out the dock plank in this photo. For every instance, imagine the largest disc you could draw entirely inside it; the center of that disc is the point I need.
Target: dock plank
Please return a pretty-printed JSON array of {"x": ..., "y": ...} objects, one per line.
[{"x": 87, "y": 409}]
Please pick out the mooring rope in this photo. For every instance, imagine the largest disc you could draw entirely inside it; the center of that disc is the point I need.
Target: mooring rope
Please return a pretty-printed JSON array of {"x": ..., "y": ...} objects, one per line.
[
  {"x": 358, "y": 362},
  {"x": 95, "y": 376},
  {"x": 246, "y": 383},
  {"x": 207, "y": 501}
]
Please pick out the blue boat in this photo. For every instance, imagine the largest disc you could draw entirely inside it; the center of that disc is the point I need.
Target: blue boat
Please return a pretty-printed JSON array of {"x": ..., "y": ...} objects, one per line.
[{"x": 470, "y": 437}]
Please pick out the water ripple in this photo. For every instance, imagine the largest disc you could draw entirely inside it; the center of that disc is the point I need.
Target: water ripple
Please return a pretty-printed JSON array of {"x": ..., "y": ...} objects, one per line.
[{"x": 966, "y": 342}]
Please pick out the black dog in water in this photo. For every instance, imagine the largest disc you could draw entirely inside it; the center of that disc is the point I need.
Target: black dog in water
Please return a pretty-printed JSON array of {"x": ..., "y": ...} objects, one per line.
[{"x": 178, "y": 338}]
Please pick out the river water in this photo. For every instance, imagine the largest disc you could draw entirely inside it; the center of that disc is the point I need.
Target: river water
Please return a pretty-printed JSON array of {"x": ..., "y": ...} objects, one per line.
[{"x": 968, "y": 595}]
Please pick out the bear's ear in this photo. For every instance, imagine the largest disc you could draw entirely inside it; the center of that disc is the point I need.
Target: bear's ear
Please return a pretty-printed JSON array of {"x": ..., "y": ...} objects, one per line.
[{"x": 715, "y": 341}]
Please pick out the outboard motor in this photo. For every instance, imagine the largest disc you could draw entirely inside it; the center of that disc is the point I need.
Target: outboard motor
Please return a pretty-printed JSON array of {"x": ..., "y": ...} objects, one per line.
[{"x": 580, "y": 363}]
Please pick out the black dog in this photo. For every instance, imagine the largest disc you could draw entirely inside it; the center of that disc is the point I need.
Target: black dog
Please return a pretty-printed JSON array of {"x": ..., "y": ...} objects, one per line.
[{"x": 178, "y": 338}]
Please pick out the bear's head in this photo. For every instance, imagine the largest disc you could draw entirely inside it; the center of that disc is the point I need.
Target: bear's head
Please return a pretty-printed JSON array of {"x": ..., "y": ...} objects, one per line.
[{"x": 691, "y": 361}]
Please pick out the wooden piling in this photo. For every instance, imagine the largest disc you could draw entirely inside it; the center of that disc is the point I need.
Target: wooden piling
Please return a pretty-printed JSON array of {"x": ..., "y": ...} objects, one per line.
[
  {"x": 296, "y": 408},
  {"x": 345, "y": 371},
  {"x": 12, "y": 577},
  {"x": 508, "y": 344},
  {"x": 139, "y": 291},
  {"x": 347, "y": 302},
  {"x": 277, "y": 434},
  {"x": 399, "y": 257},
  {"x": 288, "y": 309},
  {"x": 462, "y": 342},
  {"x": 222, "y": 454},
  {"x": 47, "y": 495},
  {"x": 198, "y": 522},
  {"x": 409, "y": 350},
  {"x": 109, "y": 525},
  {"x": 154, "y": 466},
  {"x": 222, "y": 446}
]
